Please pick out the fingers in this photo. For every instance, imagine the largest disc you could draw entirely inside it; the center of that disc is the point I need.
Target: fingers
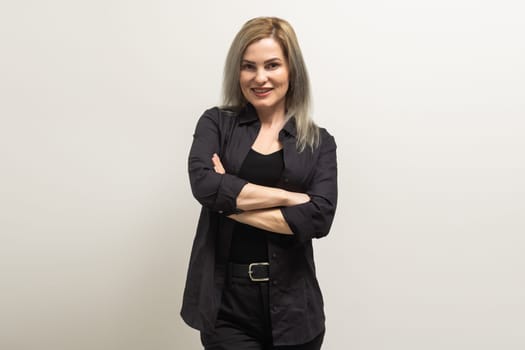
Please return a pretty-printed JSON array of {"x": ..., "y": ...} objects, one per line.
[
  {"x": 297, "y": 198},
  {"x": 305, "y": 198},
  {"x": 217, "y": 165}
]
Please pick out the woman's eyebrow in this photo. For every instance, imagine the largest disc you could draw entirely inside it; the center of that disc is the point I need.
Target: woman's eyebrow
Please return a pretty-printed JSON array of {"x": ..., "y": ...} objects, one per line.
[{"x": 267, "y": 61}]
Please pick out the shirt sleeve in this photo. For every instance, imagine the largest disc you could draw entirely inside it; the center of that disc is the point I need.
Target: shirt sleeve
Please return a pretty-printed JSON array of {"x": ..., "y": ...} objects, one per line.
[
  {"x": 217, "y": 192},
  {"x": 314, "y": 219}
]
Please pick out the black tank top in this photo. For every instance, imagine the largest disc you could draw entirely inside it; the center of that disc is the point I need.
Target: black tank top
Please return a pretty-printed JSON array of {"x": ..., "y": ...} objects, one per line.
[{"x": 249, "y": 244}]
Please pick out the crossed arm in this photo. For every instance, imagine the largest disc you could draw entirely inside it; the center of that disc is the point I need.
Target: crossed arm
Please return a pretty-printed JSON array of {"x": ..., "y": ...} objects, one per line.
[
  {"x": 260, "y": 204},
  {"x": 305, "y": 215}
]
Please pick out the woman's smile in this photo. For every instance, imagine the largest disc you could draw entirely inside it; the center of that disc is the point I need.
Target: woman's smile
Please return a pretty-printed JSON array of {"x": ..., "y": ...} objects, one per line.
[{"x": 262, "y": 92}]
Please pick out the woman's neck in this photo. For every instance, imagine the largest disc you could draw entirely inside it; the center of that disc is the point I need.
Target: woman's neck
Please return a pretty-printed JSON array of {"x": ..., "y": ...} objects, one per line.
[{"x": 272, "y": 117}]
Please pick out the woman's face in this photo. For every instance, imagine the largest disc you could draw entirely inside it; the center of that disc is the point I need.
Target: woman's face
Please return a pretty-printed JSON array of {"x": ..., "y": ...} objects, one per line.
[{"x": 264, "y": 75}]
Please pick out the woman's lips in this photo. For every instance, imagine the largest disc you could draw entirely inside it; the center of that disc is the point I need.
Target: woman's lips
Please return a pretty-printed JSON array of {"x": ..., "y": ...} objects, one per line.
[{"x": 261, "y": 92}]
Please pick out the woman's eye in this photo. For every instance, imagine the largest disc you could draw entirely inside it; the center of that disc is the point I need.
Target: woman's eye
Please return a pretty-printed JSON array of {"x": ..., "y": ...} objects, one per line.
[
  {"x": 273, "y": 66},
  {"x": 247, "y": 67}
]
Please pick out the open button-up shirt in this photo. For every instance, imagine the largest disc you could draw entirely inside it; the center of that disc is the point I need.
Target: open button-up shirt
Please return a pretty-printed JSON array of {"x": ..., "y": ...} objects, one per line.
[{"x": 296, "y": 309}]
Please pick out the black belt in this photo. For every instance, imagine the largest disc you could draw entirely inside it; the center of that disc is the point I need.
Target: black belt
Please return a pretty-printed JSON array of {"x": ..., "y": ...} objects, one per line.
[{"x": 256, "y": 272}]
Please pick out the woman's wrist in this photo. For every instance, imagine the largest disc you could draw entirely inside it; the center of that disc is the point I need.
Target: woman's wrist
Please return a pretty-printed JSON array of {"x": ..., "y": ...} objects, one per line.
[{"x": 284, "y": 197}]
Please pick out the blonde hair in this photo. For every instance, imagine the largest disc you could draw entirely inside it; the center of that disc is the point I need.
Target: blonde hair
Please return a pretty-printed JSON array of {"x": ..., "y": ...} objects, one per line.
[{"x": 298, "y": 95}]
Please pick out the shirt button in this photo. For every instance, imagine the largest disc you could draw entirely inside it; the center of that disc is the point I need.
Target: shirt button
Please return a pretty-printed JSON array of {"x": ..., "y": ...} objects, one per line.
[
  {"x": 220, "y": 211},
  {"x": 274, "y": 282},
  {"x": 286, "y": 179},
  {"x": 274, "y": 308},
  {"x": 274, "y": 256}
]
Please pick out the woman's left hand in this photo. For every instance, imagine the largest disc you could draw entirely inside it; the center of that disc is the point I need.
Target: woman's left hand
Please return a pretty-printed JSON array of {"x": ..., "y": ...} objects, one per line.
[{"x": 217, "y": 165}]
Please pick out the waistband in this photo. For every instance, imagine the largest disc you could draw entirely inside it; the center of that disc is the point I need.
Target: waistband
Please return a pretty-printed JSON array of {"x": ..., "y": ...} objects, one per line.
[{"x": 255, "y": 272}]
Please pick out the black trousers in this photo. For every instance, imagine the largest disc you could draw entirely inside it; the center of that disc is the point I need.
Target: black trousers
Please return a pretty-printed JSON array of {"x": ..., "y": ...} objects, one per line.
[{"x": 244, "y": 320}]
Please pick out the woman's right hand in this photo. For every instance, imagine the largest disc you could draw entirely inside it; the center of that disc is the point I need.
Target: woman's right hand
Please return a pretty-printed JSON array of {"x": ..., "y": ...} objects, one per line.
[{"x": 296, "y": 198}]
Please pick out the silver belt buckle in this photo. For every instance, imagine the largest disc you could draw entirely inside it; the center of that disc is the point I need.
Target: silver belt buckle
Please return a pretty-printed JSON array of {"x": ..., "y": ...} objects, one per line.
[{"x": 250, "y": 272}]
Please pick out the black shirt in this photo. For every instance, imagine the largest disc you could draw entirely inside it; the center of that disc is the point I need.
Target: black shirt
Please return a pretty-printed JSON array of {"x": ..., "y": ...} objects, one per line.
[
  {"x": 248, "y": 242},
  {"x": 296, "y": 309}
]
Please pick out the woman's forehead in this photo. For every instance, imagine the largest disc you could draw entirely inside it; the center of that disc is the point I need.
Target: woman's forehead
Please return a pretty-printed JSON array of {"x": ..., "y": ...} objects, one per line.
[{"x": 263, "y": 49}]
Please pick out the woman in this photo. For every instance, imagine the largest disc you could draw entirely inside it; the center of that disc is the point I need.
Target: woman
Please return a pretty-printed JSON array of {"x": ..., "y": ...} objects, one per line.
[{"x": 266, "y": 177}]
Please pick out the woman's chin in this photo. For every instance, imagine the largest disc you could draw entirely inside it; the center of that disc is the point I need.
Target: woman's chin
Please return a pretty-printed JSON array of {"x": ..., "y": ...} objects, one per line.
[{"x": 262, "y": 104}]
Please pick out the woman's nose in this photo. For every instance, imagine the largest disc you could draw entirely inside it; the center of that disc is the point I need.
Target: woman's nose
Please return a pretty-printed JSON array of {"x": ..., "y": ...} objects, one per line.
[{"x": 260, "y": 76}]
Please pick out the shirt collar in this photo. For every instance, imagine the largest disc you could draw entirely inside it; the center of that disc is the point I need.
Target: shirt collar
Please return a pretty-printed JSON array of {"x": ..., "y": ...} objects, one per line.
[
  {"x": 249, "y": 115},
  {"x": 290, "y": 127}
]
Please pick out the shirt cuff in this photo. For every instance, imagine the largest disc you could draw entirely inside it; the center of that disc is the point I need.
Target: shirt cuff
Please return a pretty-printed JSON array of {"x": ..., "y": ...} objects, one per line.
[
  {"x": 229, "y": 189},
  {"x": 299, "y": 218}
]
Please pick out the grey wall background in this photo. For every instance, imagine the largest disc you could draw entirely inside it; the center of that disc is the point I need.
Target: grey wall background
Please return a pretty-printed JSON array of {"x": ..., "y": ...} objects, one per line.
[{"x": 98, "y": 101}]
